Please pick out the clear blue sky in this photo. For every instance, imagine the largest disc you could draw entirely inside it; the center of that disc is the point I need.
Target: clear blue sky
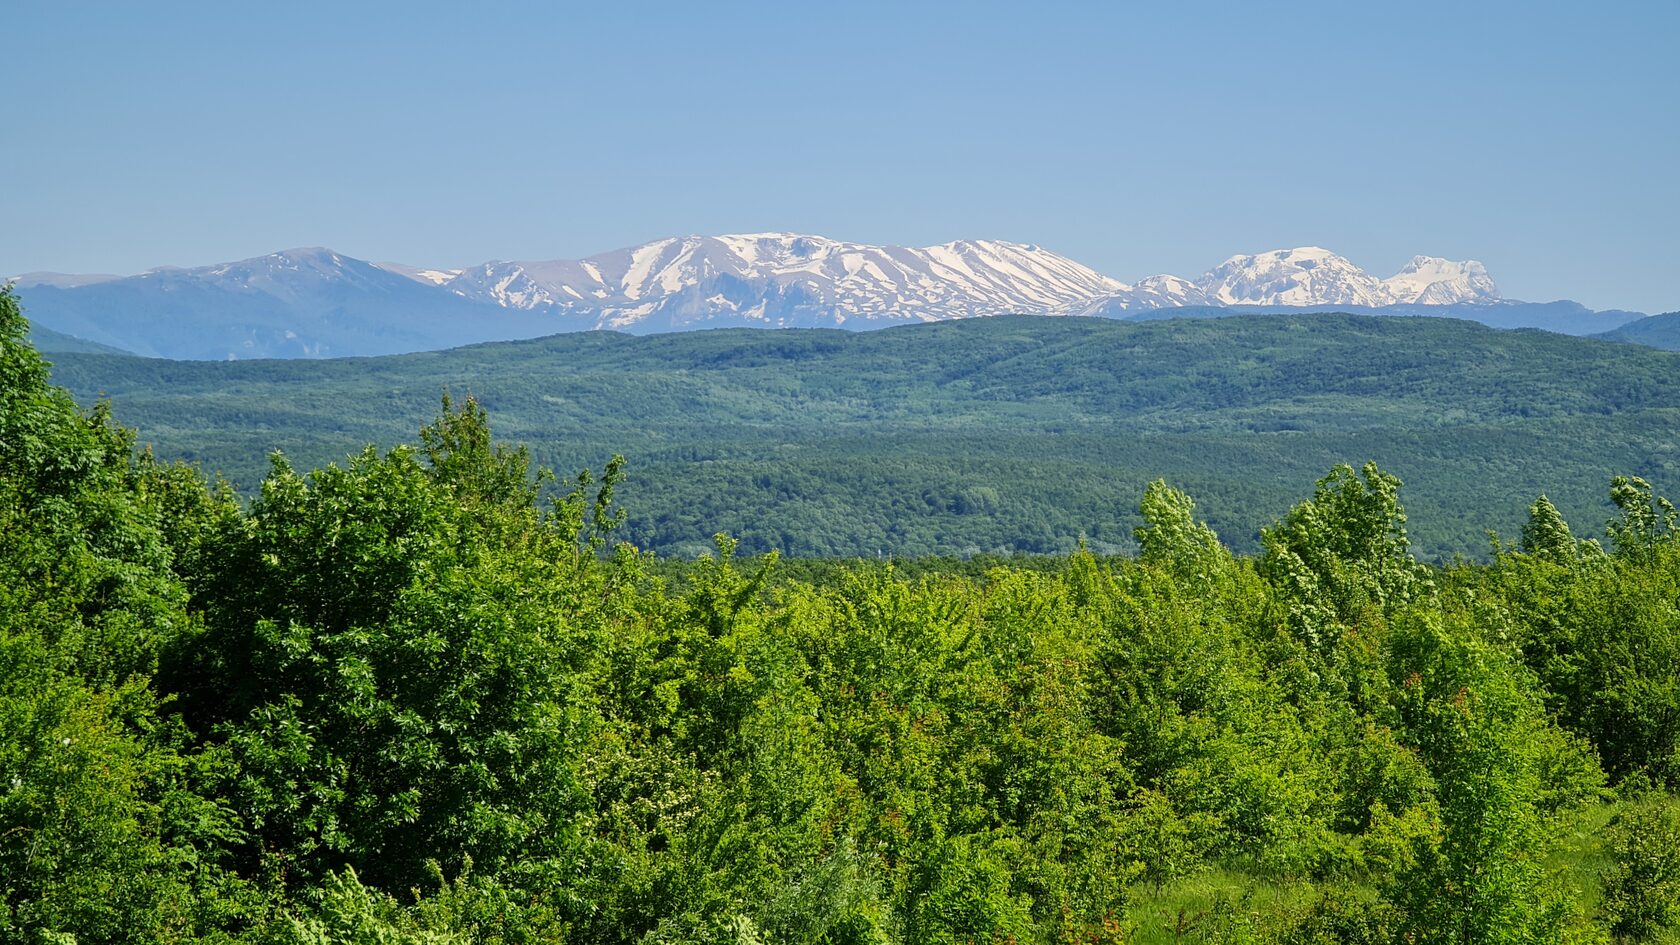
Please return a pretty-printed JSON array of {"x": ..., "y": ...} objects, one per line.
[{"x": 1542, "y": 138}]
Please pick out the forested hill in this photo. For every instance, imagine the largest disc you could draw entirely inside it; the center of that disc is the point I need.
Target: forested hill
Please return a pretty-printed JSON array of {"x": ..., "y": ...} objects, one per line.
[
  {"x": 981, "y": 435},
  {"x": 1657, "y": 331}
]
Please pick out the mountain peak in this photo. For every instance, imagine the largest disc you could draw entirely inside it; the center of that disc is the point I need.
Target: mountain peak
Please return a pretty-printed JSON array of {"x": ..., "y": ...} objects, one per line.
[
  {"x": 767, "y": 237},
  {"x": 1431, "y": 280},
  {"x": 319, "y": 260},
  {"x": 1305, "y": 275},
  {"x": 1294, "y": 254},
  {"x": 306, "y": 252},
  {"x": 1303, "y": 252}
]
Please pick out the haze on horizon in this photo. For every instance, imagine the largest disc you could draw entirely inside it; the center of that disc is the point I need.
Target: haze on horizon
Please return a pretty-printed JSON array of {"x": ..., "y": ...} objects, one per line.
[{"x": 1538, "y": 138}]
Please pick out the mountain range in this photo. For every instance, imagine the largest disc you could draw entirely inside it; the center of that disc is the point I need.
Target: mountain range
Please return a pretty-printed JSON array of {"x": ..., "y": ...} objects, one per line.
[{"x": 320, "y": 303}]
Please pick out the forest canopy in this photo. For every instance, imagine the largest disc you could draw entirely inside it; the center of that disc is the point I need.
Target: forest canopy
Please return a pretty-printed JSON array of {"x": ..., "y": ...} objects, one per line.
[
  {"x": 428, "y": 695},
  {"x": 982, "y": 436}
]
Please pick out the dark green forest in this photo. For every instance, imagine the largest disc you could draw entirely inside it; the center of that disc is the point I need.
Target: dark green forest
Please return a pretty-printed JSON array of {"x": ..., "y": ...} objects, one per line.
[
  {"x": 434, "y": 694},
  {"x": 980, "y": 436}
]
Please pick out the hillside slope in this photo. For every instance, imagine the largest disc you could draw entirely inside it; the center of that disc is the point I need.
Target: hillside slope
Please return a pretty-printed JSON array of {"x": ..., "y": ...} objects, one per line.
[
  {"x": 1654, "y": 331},
  {"x": 48, "y": 341}
]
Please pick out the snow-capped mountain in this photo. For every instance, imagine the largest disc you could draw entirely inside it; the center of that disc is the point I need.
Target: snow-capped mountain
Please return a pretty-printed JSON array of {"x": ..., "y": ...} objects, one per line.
[
  {"x": 1304, "y": 277},
  {"x": 317, "y": 302},
  {"x": 786, "y": 279},
  {"x": 1431, "y": 280},
  {"x": 1307, "y": 275}
]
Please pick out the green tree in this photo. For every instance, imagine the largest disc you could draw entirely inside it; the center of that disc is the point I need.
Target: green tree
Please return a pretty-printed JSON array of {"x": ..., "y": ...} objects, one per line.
[
  {"x": 1182, "y": 685},
  {"x": 1642, "y": 890},
  {"x": 1171, "y": 537},
  {"x": 1482, "y": 734},
  {"x": 1647, "y": 521},
  {"x": 1547, "y": 536},
  {"x": 1342, "y": 553},
  {"x": 102, "y": 834},
  {"x": 1605, "y": 641},
  {"x": 396, "y": 655}
]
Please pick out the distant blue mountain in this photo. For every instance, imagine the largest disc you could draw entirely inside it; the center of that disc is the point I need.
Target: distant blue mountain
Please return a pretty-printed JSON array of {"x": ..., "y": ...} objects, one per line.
[{"x": 307, "y": 303}]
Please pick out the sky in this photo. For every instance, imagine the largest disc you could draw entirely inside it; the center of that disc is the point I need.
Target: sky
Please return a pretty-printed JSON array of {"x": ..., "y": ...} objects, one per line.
[{"x": 1540, "y": 138}]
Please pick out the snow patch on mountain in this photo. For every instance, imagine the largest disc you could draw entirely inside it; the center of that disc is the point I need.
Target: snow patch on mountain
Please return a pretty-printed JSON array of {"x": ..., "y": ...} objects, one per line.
[{"x": 420, "y": 274}]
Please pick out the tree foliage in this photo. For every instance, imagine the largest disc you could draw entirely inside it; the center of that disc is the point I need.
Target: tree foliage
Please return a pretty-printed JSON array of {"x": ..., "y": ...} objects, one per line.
[{"x": 428, "y": 695}]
